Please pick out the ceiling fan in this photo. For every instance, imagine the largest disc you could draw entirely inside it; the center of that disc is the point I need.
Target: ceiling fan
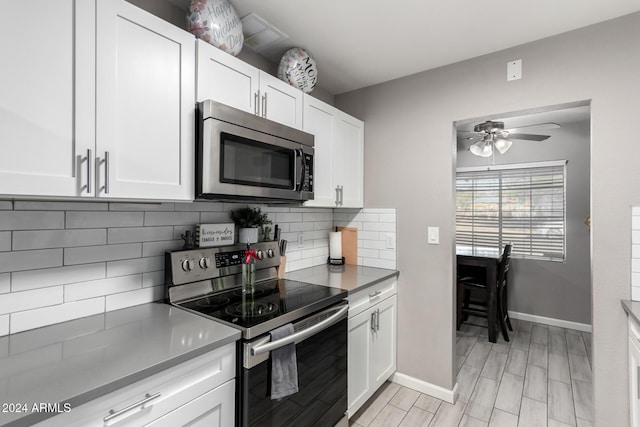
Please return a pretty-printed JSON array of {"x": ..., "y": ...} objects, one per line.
[{"x": 492, "y": 135}]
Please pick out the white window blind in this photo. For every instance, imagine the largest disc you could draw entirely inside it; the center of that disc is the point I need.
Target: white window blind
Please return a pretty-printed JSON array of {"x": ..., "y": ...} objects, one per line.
[{"x": 522, "y": 204}]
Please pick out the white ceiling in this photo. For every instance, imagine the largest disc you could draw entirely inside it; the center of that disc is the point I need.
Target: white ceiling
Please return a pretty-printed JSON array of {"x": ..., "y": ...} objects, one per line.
[{"x": 358, "y": 43}]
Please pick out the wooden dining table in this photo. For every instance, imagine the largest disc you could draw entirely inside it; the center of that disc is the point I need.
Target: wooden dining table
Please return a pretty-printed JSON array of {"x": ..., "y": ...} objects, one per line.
[{"x": 487, "y": 259}]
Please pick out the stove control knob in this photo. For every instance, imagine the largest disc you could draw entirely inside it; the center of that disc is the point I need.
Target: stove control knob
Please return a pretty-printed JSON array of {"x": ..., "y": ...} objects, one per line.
[
  {"x": 204, "y": 263},
  {"x": 260, "y": 254},
  {"x": 187, "y": 265},
  {"x": 270, "y": 253}
]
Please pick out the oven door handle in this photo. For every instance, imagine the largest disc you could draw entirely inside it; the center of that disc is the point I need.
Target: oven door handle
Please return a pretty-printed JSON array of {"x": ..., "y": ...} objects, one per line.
[{"x": 300, "y": 335}]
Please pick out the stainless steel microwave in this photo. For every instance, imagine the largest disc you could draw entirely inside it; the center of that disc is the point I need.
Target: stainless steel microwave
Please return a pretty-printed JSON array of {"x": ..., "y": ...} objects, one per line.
[{"x": 241, "y": 156}]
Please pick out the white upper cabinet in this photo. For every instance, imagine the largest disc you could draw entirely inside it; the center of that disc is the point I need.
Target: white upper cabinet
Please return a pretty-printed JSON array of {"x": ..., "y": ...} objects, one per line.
[
  {"x": 105, "y": 80},
  {"x": 226, "y": 79},
  {"x": 339, "y": 155},
  {"x": 231, "y": 81},
  {"x": 145, "y": 105},
  {"x": 348, "y": 156},
  {"x": 320, "y": 120},
  {"x": 37, "y": 105},
  {"x": 280, "y": 101}
]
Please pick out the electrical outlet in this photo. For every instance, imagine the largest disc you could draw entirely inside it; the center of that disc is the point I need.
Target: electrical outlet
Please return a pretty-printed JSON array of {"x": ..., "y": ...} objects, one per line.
[
  {"x": 300, "y": 240},
  {"x": 514, "y": 70},
  {"x": 390, "y": 241}
]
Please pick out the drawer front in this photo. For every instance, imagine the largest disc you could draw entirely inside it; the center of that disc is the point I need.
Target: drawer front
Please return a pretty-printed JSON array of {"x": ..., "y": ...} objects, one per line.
[
  {"x": 362, "y": 300},
  {"x": 215, "y": 408},
  {"x": 163, "y": 393}
]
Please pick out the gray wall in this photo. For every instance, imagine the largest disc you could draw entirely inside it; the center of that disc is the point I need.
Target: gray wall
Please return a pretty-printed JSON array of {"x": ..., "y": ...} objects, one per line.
[
  {"x": 546, "y": 288},
  {"x": 409, "y": 164}
]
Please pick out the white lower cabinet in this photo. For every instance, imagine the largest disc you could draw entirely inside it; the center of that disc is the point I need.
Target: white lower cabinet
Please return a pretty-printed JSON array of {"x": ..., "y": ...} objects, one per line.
[
  {"x": 634, "y": 373},
  {"x": 198, "y": 392},
  {"x": 371, "y": 342}
]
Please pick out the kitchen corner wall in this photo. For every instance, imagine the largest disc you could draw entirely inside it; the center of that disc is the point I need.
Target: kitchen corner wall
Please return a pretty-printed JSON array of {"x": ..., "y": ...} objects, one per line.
[
  {"x": 376, "y": 234},
  {"x": 635, "y": 253},
  {"x": 64, "y": 260}
]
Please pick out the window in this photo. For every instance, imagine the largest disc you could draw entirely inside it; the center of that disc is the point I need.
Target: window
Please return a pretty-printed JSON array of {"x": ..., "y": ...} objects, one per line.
[{"x": 523, "y": 204}]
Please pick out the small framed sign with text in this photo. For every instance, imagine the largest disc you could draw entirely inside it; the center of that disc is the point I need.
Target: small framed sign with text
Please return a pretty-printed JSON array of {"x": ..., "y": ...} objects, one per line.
[{"x": 208, "y": 235}]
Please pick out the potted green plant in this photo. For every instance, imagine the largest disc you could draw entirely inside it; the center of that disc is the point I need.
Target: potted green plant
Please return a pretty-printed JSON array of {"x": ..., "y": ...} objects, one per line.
[{"x": 248, "y": 220}]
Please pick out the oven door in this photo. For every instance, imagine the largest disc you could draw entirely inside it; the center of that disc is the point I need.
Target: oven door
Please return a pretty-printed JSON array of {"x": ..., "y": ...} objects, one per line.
[
  {"x": 238, "y": 162},
  {"x": 321, "y": 399}
]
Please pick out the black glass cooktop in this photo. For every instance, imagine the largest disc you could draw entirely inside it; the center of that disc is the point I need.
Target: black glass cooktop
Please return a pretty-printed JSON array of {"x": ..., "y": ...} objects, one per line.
[{"x": 274, "y": 303}]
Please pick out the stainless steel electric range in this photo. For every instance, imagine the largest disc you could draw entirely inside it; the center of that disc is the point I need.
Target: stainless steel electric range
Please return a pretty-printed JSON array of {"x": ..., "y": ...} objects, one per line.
[{"x": 208, "y": 282}]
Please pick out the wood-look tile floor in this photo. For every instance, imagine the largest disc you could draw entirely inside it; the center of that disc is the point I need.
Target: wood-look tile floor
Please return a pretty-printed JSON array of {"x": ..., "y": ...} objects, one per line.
[{"x": 541, "y": 377}]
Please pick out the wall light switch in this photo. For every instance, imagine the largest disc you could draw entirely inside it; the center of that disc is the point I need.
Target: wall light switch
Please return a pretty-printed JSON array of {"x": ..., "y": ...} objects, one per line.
[
  {"x": 433, "y": 235},
  {"x": 300, "y": 240}
]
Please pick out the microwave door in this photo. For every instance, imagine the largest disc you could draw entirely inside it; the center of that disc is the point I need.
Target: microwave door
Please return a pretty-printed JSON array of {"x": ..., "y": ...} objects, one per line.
[{"x": 240, "y": 162}]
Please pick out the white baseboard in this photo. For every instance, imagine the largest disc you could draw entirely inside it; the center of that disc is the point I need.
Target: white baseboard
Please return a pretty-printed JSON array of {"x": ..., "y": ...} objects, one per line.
[
  {"x": 551, "y": 321},
  {"x": 426, "y": 388}
]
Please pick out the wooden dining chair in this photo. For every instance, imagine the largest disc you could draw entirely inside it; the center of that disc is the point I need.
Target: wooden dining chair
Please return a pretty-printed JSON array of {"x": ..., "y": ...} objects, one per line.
[{"x": 469, "y": 286}]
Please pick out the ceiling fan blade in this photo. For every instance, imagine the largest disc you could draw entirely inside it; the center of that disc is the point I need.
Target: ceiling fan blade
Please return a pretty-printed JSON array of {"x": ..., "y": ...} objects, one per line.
[
  {"x": 548, "y": 125},
  {"x": 528, "y": 136}
]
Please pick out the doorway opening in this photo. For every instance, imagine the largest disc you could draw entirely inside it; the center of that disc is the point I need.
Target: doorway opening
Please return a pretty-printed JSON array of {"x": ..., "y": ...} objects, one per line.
[{"x": 549, "y": 298}]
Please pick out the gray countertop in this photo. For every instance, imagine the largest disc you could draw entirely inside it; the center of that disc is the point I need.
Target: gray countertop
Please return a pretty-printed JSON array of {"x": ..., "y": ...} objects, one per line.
[
  {"x": 82, "y": 359},
  {"x": 632, "y": 308},
  {"x": 348, "y": 277}
]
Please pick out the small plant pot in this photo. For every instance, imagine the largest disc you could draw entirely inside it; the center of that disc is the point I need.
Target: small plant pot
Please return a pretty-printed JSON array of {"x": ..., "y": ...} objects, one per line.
[{"x": 248, "y": 235}]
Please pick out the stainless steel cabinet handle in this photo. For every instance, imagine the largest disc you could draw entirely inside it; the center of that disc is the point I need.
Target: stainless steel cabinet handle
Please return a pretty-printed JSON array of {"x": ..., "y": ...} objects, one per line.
[
  {"x": 340, "y": 194},
  {"x": 89, "y": 160},
  {"x": 373, "y": 321},
  {"x": 264, "y": 105},
  {"x": 375, "y": 294},
  {"x": 256, "y": 97},
  {"x": 147, "y": 398},
  {"x": 106, "y": 172},
  {"x": 300, "y": 335},
  {"x": 337, "y": 195},
  {"x": 377, "y": 319}
]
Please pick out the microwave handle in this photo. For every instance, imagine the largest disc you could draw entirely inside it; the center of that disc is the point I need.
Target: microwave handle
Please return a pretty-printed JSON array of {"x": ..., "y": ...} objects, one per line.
[{"x": 299, "y": 178}]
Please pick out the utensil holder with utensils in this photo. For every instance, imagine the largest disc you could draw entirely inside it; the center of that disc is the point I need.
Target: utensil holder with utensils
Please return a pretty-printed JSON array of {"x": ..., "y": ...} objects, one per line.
[{"x": 282, "y": 245}]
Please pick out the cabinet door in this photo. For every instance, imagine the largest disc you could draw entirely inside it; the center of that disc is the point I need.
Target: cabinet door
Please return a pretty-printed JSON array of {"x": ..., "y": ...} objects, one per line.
[
  {"x": 280, "y": 101},
  {"x": 383, "y": 348},
  {"x": 358, "y": 364},
  {"x": 226, "y": 79},
  {"x": 38, "y": 101},
  {"x": 215, "y": 408},
  {"x": 145, "y": 105},
  {"x": 348, "y": 155},
  {"x": 320, "y": 120}
]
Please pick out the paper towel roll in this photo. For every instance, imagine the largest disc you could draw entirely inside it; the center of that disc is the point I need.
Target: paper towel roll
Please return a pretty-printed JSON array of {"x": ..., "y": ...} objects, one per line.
[{"x": 335, "y": 244}]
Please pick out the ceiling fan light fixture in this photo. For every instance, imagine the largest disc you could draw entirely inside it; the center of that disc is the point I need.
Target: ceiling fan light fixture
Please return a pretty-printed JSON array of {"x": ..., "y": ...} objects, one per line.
[
  {"x": 502, "y": 145},
  {"x": 482, "y": 149}
]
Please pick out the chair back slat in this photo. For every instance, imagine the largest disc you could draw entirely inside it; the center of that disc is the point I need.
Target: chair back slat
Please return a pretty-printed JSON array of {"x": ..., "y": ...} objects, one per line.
[{"x": 505, "y": 263}]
